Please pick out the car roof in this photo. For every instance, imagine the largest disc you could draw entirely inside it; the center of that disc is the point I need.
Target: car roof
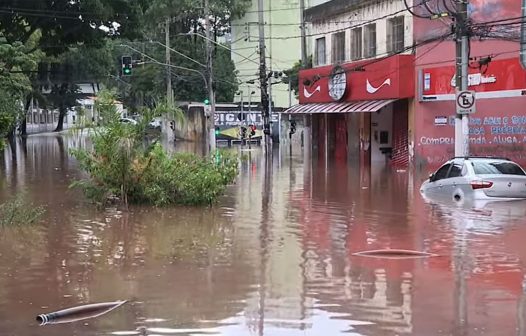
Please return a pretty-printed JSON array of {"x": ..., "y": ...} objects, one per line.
[{"x": 493, "y": 158}]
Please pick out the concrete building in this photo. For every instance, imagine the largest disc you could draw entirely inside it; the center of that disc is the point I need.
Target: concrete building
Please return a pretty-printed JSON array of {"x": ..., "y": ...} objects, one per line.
[
  {"x": 360, "y": 90},
  {"x": 382, "y": 89},
  {"x": 283, "y": 49}
]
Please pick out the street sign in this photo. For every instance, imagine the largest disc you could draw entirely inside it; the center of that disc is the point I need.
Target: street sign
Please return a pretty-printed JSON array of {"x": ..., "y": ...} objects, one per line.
[
  {"x": 208, "y": 110},
  {"x": 465, "y": 102}
]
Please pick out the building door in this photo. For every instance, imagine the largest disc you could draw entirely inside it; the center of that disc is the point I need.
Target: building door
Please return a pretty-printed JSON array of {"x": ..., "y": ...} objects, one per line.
[{"x": 400, "y": 154}]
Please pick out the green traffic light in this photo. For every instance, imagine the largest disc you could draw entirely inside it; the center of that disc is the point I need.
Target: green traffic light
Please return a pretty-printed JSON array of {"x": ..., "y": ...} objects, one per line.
[
  {"x": 127, "y": 71},
  {"x": 207, "y": 102}
]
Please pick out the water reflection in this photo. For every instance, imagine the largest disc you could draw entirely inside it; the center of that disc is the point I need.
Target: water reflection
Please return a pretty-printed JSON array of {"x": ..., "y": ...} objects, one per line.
[{"x": 273, "y": 257}]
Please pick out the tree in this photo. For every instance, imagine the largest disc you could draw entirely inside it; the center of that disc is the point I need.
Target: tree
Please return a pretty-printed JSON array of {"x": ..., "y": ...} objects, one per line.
[
  {"x": 14, "y": 83},
  {"x": 293, "y": 74}
]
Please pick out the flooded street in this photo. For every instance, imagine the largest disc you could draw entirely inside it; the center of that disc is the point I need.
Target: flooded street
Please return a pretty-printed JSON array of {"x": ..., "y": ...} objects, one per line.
[{"x": 274, "y": 257}]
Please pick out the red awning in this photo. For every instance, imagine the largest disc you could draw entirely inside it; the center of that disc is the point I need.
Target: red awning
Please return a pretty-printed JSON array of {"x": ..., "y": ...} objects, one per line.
[{"x": 343, "y": 107}]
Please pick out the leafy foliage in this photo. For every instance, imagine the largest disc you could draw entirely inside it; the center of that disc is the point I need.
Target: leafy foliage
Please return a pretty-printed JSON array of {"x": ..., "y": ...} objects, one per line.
[
  {"x": 293, "y": 74},
  {"x": 18, "y": 211},
  {"x": 123, "y": 168}
]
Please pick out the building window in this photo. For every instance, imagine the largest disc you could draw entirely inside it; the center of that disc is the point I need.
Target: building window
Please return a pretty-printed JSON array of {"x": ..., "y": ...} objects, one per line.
[
  {"x": 338, "y": 47},
  {"x": 356, "y": 44},
  {"x": 320, "y": 52},
  {"x": 370, "y": 41},
  {"x": 395, "y": 34}
]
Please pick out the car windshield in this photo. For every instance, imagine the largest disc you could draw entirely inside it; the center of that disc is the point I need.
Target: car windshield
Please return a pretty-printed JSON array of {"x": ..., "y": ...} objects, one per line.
[{"x": 497, "y": 167}]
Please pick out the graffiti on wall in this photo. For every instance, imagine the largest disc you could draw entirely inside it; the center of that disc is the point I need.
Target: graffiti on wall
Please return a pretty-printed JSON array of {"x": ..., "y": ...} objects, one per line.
[{"x": 489, "y": 130}]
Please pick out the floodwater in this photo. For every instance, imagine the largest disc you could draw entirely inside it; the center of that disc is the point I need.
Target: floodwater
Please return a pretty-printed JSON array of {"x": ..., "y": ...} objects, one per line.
[{"x": 274, "y": 257}]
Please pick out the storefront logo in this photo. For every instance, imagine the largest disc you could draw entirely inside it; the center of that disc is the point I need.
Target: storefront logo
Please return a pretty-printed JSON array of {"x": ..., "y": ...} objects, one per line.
[
  {"x": 308, "y": 94},
  {"x": 371, "y": 89},
  {"x": 476, "y": 79},
  {"x": 337, "y": 83}
]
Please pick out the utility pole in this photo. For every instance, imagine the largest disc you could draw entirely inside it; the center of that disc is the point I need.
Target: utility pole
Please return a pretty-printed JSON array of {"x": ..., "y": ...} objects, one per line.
[
  {"x": 263, "y": 78},
  {"x": 211, "y": 139},
  {"x": 303, "y": 35},
  {"x": 462, "y": 45},
  {"x": 169, "y": 91}
]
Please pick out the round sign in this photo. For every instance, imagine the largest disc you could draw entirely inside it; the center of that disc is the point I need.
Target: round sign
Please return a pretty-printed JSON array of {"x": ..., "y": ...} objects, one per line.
[
  {"x": 337, "y": 83},
  {"x": 466, "y": 99}
]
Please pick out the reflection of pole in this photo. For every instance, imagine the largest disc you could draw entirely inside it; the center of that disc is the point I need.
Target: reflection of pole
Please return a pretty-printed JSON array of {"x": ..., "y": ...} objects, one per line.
[
  {"x": 266, "y": 199},
  {"x": 460, "y": 291}
]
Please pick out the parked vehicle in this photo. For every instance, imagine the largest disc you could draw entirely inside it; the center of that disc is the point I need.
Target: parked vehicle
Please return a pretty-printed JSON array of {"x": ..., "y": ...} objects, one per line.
[
  {"x": 128, "y": 121},
  {"x": 476, "y": 178}
]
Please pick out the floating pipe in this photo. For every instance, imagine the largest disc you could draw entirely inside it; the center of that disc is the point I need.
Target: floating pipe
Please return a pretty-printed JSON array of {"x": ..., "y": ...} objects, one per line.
[
  {"x": 395, "y": 254},
  {"x": 78, "y": 313}
]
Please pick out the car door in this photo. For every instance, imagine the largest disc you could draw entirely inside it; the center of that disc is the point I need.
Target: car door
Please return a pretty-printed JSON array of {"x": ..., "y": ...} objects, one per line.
[
  {"x": 454, "y": 183},
  {"x": 436, "y": 181}
]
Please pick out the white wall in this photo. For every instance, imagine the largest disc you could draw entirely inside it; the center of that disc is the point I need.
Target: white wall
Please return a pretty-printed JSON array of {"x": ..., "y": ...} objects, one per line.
[
  {"x": 382, "y": 121},
  {"x": 356, "y": 18}
]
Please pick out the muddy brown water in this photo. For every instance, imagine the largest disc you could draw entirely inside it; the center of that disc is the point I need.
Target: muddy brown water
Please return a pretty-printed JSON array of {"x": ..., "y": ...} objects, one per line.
[{"x": 274, "y": 257}]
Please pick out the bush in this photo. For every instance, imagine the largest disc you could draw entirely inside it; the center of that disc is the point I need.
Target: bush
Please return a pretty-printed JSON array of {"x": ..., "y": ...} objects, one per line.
[{"x": 123, "y": 168}]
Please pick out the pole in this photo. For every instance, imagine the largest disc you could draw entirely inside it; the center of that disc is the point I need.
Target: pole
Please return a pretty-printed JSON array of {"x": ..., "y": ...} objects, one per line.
[
  {"x": 242, "y": 122},
  {"x": 263, "y": 78},
  {"x": 169, "y": 91},
  {"x": 303, "y": 35},
  {"x": 211, "y": 95},
  {"x": 462, "y": 45}
]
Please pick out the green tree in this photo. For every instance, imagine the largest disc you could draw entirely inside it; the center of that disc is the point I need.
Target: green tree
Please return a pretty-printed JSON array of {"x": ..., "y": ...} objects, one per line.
[
  {"x": 293, "y": 74},
  {"x": 15, "y": 61}
]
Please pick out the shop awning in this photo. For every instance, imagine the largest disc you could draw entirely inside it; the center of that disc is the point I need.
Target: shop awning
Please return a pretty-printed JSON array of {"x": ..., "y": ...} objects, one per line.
[{"x": 342, "y": 107}]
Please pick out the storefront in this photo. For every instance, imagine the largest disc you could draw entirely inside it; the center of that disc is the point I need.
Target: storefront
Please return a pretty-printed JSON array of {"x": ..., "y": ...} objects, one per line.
[{"x": 359, "y": 110}]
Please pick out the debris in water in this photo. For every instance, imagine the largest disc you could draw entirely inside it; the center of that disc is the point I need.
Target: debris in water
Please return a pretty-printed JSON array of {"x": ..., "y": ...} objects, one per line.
[
  {"x": 78, "y": 313},
  {"x": 394, "y": 254}
]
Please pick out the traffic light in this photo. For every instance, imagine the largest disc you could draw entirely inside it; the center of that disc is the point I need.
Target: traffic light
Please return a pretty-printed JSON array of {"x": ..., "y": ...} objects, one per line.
[
  {"x": 206, "y": 101},
  {"x": 126, "y": 63},
  {"x": 243, "y": 132},
  {"x": 217, "y": 131}
]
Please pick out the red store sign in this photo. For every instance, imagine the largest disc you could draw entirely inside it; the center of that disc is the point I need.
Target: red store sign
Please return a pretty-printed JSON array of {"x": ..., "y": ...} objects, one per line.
[
  {"x": 387, "y": 78},
  {"x": 500, "y": 78}
]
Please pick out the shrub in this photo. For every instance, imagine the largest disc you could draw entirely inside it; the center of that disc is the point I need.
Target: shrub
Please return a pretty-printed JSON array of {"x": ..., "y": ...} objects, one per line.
[{"x": 123, "y": 167}]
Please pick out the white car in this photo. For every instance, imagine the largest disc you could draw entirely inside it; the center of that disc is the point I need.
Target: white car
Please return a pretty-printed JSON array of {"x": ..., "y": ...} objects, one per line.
[
  {"x": 128, "y": 121},
  {"x": 476, "y": 178}
]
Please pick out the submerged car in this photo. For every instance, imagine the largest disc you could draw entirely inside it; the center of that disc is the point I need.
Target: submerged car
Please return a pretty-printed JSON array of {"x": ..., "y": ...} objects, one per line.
[{"x": 477, "y": 178}]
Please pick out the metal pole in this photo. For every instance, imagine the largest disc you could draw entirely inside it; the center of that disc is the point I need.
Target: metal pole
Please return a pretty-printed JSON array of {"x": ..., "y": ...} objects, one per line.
[
  {"x": 242, "y": 122},
  {"x": 462, "y": 45},
  {"x": 263, "y": 77},
  {"x": 169, "y": 91},
  {"x": 211, "y": 94}
]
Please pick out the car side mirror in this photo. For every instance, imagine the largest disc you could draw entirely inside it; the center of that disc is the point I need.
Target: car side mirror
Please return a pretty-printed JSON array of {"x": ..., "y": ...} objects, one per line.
[{"x": 431, "y": 177}]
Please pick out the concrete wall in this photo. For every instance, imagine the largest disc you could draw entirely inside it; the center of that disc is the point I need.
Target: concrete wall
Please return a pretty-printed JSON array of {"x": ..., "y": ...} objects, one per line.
[{"x": 355, "y": 18}]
